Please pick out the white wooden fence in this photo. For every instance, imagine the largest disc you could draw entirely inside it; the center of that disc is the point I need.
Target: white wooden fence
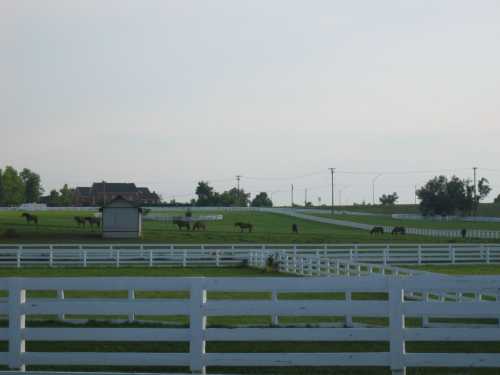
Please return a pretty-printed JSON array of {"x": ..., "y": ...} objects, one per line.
[
  {"x": 446, "y": 233},
  {"x": 197, "y": 308},
  {"x": 152, "y": 255}
]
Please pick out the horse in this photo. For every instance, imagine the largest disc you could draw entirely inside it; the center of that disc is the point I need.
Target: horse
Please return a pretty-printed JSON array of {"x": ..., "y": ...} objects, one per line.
[
  {"x": 398, "y": 230},
  {"x": 198, "y": 225},
  {"x": 93, "y": 220},
  {"x": 377, "y": 230},
  {"x": 463, "y": 233},
  {"x": 182, "y": 224},
  {"x": 30, "y": 218},
  {"x": 244, "y": 226},
  {"x": 80, "y": 221},
  {"x": 295, "y": 228}
]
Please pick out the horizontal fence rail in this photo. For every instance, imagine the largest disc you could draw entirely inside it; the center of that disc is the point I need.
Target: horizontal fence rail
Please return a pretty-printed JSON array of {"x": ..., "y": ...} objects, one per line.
[
  {"x": 389, "y": 300},
  {"x": 152, "y": 255}
]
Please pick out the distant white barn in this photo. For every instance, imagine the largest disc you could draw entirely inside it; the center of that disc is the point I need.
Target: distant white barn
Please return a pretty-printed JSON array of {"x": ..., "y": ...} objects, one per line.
[{"x": 121, "y": 219}]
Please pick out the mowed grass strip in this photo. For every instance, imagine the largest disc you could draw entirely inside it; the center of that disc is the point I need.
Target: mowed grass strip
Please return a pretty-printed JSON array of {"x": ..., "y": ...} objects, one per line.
[
  {"x": 459, "y": 269},
  {"x": 60, "y": 227}
]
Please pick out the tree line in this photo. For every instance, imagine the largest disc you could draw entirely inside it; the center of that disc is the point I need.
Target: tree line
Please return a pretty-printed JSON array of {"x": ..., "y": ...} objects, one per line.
[
  {"x": 19, "y": 187},
  {"x": 207, "y": 196}
]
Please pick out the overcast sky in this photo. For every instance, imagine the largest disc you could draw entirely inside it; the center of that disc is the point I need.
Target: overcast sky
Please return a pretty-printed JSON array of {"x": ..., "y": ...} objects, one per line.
[{"x": 165, "y": 93}]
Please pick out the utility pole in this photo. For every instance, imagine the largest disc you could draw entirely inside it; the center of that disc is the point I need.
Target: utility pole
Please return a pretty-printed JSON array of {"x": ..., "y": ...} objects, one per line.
[
  {"x": 238, "y": 177},
  {"x": 373, "y": 187},
  {"x": 332, "y": 170},
  {"x": 292, "y": 195},
  {"x": 475, "y": 183},
  {"x": 305, "y": 197},
  {"x": 415, "y": 193}
]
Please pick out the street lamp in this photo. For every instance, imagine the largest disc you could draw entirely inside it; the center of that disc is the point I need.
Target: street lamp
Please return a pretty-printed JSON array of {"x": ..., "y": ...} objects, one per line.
[{"x": 373, "y": 187}]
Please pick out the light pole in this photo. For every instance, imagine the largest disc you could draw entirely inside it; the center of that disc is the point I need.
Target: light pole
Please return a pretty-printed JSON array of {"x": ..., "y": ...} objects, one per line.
[
  {"x": 373, "y": 187},
  {"x": 332, "y": 170}
]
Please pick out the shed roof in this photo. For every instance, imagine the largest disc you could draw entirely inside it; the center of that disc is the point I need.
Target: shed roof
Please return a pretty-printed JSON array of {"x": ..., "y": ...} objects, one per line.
[{"x": 119, "y": 201}]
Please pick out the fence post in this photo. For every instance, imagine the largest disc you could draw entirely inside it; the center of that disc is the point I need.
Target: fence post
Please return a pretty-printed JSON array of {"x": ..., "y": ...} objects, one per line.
[
  {"x": 385, "y": 255},
  {"x": 51, "y": 256},
  {"x": 60, "y": 296},
  {"x": 197, "y": 326},
  {"x": 18, "y": 257},
  {"x": 184, "y": 258},
  {"x": 487, "y": 255},
  {"x": 396, "y": 327},
  {"x": 425, "y": 319},
  {"x": 348, "y": 318},
  {"x": 84, "y": 258},
  {"x": 217, "y": 258},
  {"x": 17, "y": 323},
  {"x": 151, "y": 258},
  {"x": 274, "y": 297},
  {"x": 452, "y": 254},
  {"x": 117, "y": 258},
  {"x": 131, "y": 297},
  {"x": 419, "y": 253}
]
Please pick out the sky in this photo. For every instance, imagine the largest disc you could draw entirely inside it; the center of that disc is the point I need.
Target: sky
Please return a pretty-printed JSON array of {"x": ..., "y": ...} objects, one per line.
[{"x": 168, "y": 93}]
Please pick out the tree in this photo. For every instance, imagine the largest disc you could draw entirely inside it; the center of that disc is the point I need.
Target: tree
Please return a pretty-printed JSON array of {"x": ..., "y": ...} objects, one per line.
[
  {"x": 261, "y": 200},
  {"x": 389, "y": 199},
  {"x": 13, "y": 187},
  {"x": 66, "y": 196},
  {"x": 32, "y": 186},
  {"x": 234, "y": 197},
  {"x": 206, "y": 194},
  {"x": 1, "y": 188},
  {"x": 54, "y": 198},
  {"x": 497, "y": 199},
  {"x": 441, "y": 196}
]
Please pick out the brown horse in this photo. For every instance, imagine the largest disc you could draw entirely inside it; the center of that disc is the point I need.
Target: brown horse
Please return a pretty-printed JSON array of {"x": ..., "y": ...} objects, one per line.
[
  {"x": 244, "y": 226},
  {"x": 198, "y": 225},
  {"x": 80, "y": 221},
  {"x": 182, "y": 224},
  {"x": 30, "y": 218},
  {"x": 377, "y": 230},
  {"x": 93, "y": 220},
  {"x": 398, "y": 230}
]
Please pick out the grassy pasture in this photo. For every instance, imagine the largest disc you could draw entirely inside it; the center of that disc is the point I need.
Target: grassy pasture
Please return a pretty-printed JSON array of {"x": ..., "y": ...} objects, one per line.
[
  {"x": 430, "y": 224},
  {"x": 60, "y": 227},
  {"x": 234, "y": 347},
  {"x": 460, "y": 269}
]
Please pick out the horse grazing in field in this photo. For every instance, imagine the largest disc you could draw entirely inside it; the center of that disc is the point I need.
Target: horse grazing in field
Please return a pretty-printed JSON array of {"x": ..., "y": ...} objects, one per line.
[
  {"x": 30, "y": 218},
  {"x": 198, "y": 225},
  {"x": 93, "y": 220},
  {"x": 182, "y": 224},
  {"x": 463, "y": 233},
  {"x": 295, "y": 228},
  {"x": 398, "y": 230},
  {"x": 80, "y": 221},
  {"x": 244, "y": 226},
  {"x": 377, "y": 230}
]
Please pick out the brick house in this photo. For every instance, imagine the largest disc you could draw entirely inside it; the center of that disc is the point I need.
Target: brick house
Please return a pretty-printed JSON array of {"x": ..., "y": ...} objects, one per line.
[{"x": 103, "y": 192}]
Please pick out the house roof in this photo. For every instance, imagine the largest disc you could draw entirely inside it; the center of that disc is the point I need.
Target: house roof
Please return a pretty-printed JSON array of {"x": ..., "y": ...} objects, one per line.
[
  {"x": 120, "y": 201},
  {"x": 114, "y": 187}
]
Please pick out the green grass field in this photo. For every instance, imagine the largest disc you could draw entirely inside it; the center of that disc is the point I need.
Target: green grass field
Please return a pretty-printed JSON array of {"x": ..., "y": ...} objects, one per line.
[
  {"x": 431, "y": 224},
  {"x": 60, "y": 227},
  {"x": 485, "y": 209},
  {"x": 460, "y": 269}
]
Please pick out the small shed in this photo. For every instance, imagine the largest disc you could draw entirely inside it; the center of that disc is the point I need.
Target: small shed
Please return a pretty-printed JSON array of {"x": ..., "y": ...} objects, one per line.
[{"x": 121, "y": 218}]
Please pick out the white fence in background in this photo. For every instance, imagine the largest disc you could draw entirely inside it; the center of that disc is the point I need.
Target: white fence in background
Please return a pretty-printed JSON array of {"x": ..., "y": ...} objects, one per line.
[
  {"x": 197, "y": 307},
  {"x": 446, "y": 233},
  {"x": 152, "y": 255},
  {"x": 484, "y": 219}
]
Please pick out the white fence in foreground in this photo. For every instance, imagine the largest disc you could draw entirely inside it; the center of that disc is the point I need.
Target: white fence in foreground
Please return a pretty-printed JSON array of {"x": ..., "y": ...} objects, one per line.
[
  {"x": 197, "y": 308},
  {"x": 152, "y": 255}
]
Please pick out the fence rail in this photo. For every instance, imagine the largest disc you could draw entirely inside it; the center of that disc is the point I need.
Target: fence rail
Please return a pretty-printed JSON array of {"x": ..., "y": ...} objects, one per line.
[
  {"x": 152, "y": 255},
  {"x": 197, "y": 307}
]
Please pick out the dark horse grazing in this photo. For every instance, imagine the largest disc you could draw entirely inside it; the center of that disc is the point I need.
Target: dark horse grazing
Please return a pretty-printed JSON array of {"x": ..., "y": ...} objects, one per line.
[
  {"x": 244, "y": 226},
  {"x": 182, "y": 224},
  {"x": 377, "y": 230},
  {"x": 463, "y": 233},
  {"x": 398, "y": 230},
  {"x": 93, "y": 220},
  {"x": 30, "y": 217},
  {"x": 80, "y": 221},
  {"x": 198, "y": 225},
  {"x": 295, "y": 228}
]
